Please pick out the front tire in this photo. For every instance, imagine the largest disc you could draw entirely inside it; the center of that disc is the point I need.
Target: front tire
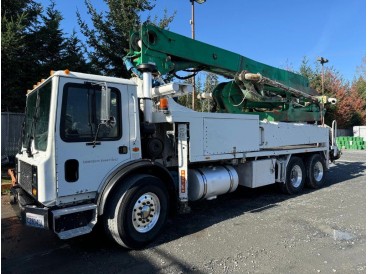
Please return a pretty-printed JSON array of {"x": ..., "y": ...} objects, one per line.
[
  {"x": 137, "y": 212},
  {"x": 295, "y": 176}
]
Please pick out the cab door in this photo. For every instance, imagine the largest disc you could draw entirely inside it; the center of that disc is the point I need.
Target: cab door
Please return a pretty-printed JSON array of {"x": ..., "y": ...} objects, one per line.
[{"x": 86, "y": 150}]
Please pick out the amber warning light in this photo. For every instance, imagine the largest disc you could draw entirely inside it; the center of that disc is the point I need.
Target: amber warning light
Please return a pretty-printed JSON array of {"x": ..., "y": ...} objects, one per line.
[{"x": 164, "y": 104}]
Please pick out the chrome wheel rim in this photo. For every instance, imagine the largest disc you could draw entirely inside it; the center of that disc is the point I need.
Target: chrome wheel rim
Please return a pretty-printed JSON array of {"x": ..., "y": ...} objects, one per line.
[
  {"x": 296, "y": 176},
  {"x": 146, "y": 212},
  {"x": 318, "y": 171}
]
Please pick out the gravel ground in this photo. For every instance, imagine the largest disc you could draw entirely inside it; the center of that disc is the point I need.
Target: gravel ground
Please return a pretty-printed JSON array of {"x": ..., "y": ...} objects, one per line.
[{"x": 249, "y": 231}]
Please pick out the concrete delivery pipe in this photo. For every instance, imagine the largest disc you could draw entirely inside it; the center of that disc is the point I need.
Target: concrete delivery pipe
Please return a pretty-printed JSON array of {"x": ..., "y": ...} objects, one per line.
[{"x": 208, "y": 182}]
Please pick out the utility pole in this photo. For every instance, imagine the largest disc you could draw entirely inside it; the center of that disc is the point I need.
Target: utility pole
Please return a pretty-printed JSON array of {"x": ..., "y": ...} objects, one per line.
[{"x": 193, "y": 37}]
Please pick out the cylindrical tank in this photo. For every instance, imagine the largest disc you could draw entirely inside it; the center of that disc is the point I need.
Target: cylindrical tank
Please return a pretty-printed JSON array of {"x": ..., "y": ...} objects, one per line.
[{"x": 208, "y": 182}]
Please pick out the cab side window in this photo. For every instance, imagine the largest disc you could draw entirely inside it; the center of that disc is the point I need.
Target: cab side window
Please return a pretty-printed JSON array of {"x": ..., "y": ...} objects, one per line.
[{"x": 80, "y": 114}]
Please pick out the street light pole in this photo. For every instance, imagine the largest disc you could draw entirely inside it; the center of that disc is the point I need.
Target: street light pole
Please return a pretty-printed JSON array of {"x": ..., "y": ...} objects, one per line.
[
  {"x": 193, "y": 37},
  {"x": 192, "y": 23},
  {"x": 323, "y": 61}
]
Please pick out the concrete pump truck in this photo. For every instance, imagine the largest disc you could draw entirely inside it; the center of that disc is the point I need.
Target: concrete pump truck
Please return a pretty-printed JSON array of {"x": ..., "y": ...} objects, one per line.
[{"x": 123, "y": 151}]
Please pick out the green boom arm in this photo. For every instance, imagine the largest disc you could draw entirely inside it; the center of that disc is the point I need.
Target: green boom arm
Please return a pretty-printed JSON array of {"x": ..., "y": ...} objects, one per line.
[
  {"x": 172, "y": 52},
  {"x": 269, "y": 95}
]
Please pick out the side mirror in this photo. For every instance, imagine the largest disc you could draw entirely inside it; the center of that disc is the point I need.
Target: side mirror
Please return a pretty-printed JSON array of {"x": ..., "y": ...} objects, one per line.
[{"x": 105, "y": 104}]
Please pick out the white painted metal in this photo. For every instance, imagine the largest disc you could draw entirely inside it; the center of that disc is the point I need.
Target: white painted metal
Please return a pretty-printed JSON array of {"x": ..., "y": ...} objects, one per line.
[
  {"x": 172, "y": 89},
  {"x": 217, "y": 134},
  {"x": 147, "y": 99},
  {"x": 227, "y": 136},
  {"x": 94, "y": 78},
  {"x": 359, "y": 131},
  {"x": 257, "y": 173},
  {"x": 278, "y": 134},
  {"x": 45, "y": 160},
  {"x": 183, "y": 162},
  {"x": 95, "y": 163}
]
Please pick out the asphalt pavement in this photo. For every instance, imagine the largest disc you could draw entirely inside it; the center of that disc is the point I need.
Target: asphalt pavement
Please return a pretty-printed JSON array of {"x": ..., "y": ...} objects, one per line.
[{"x": 248, "y": 231}]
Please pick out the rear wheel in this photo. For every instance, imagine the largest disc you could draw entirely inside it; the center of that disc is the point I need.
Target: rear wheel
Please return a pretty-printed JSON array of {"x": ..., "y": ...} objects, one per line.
[
  {"x": 316, "y": 175},
  {"x": 137, "y": 212},
  {"x": 295, "y": 176}
]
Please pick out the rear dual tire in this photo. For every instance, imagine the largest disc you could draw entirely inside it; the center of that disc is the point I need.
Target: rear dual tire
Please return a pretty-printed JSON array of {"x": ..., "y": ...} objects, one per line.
[
  {"x": 316, "y": 171},
  {"x": 313, "y": 174},
  {"x": 295, "y": 176}
]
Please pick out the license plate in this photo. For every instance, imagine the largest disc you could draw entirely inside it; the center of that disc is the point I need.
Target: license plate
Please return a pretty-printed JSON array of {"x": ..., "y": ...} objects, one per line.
[{"x": 35, "y": 220}]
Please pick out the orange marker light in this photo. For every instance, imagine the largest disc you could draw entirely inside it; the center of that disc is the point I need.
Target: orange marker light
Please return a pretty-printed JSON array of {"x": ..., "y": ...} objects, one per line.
[
  {"x": 164, "y": 104},
  {"x": 135, "y": 149},
  {"x": 52, "y": 72},
  {"x": 34, "y": 191},
  {"x": 67, "y": 71}
]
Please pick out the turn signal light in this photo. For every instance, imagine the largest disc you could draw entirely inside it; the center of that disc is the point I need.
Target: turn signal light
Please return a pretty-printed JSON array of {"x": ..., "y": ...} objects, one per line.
[
  {"x": 34, "y": 191},
  {"x": 135, "y": 149}
]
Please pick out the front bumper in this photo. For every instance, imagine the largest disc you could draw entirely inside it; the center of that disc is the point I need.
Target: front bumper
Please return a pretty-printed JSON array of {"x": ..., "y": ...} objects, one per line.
[
  {"x": 30, "y": 213},
  {"x": 67, "y": 222}
]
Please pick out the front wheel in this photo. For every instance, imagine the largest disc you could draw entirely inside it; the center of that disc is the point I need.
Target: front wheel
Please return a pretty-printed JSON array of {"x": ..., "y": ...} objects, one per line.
[{"x": 137, "y": 212}]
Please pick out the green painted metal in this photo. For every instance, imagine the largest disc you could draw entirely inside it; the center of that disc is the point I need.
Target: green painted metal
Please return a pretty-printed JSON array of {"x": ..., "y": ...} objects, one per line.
[
  {"x": 229, "y": 99},
  {"x": 172, "y": 52}
]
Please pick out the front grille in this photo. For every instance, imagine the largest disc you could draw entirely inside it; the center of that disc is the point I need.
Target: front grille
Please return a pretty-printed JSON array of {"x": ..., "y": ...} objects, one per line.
[{"x": 25, "y": 176}]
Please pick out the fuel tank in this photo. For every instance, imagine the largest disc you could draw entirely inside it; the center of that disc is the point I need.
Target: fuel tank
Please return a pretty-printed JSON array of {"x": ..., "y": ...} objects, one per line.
[{"x": 209, "y": 182}]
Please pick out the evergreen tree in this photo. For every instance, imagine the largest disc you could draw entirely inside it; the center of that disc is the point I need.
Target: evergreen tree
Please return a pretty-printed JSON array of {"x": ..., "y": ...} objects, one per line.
[
  {"x": 109, "y": 37},
  {"x": 33, "y": 43},
  {"x": 18, "y": 19},
  {"x": 49, "y": 43},
  {"x": 73, "y": 55},
  {"x": 211, "y": 82}
]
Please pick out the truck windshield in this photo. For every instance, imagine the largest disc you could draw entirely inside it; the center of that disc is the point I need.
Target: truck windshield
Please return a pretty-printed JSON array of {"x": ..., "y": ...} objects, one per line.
[{"x": 37, "y": 118}]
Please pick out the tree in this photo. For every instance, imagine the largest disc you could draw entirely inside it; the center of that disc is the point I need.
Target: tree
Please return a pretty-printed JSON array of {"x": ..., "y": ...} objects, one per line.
[
  {"x": 350, "y": 108},
  {"x": 18, "y": 19},
  {"x": 360, "y": 79},
  {"x": 49, "y": 43},
  {"x": 313, "y": 74},
  {"x": 33, "y": 43},
  {"x": 211, "y": 82},
  {"x": 109, "y": 37},
  {"x": 73, "y": 55}
]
